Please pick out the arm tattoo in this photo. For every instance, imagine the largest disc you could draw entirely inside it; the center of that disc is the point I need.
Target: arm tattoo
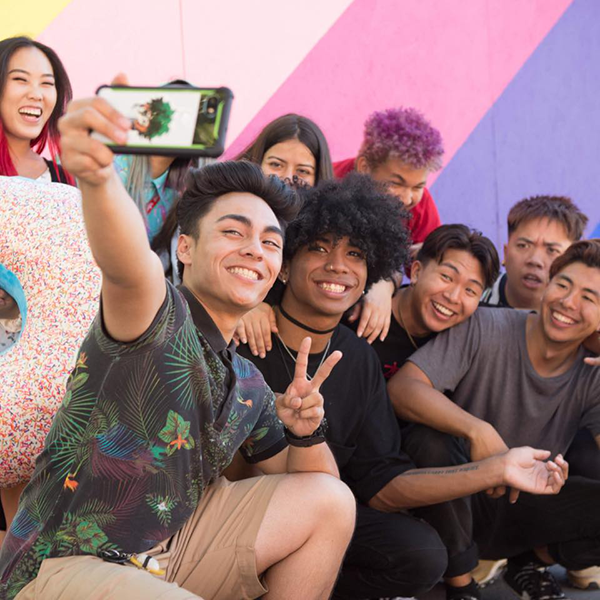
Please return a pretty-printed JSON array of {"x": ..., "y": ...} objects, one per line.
[{"x": 443, "y": 471}]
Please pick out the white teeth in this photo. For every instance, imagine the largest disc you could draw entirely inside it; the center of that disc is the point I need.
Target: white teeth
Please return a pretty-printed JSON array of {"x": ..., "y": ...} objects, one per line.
[
  {"x": 445, "y": 311},
  {"x": 333, "y": 287},
  {"x": 244, "y": 273},
  {"x": 32, "y": 112},
  {"x": 562, "y": 318}
]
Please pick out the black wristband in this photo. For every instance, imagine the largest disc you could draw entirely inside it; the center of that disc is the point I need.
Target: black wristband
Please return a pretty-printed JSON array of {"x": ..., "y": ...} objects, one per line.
[{"x": 316, "y": 437}]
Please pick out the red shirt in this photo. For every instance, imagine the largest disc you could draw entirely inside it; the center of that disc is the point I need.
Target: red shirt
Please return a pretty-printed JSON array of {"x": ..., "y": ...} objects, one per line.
[{"x": 425, "y": 216}]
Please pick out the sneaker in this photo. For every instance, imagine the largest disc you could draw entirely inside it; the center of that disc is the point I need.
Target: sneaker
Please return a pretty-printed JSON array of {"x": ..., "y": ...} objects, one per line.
[
  {"x": 487, "y": 571},
  {"x": 586, "y": 579},
  {"x": 533, "y": 582}
]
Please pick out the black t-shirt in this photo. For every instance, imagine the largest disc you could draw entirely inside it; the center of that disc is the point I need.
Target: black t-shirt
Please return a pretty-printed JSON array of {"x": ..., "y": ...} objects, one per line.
[
  {"x": 362, "y": 430},
  {"x": 395, "y": 350}
]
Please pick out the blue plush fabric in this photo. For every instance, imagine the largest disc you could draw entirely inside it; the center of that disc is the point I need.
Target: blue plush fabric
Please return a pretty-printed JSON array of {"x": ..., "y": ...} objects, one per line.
[{"x": 9, "y": 282}]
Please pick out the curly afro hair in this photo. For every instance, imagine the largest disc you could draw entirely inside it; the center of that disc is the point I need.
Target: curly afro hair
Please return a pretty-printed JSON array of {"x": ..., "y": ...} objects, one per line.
[
  {"x": 357, "y": 208},
  {"x": 403, "y": 133}
]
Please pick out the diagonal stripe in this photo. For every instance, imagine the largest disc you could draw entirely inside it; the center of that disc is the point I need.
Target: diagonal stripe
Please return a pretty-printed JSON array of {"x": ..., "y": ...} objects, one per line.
[
  {"x": 539, "y": 137},
  {"x": 28, "y": 17},
  {"x": 450, "y": 59},
  {"x": 250, "y": 46}
]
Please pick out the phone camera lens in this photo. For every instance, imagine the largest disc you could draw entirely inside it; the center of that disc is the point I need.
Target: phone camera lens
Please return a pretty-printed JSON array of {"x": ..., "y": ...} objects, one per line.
[{"x": 211, "y": 106}]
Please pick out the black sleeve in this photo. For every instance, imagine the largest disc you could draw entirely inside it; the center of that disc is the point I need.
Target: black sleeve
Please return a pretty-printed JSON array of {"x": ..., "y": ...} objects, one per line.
[{"x": 377, "y": 457}]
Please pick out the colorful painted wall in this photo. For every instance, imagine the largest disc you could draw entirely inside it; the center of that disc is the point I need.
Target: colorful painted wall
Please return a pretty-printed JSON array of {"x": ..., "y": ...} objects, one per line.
[{"x": 511, "y": 84}]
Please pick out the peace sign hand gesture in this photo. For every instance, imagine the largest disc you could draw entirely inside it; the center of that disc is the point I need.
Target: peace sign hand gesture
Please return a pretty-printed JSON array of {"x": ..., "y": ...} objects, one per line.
[{"x": 300, "y": 409}]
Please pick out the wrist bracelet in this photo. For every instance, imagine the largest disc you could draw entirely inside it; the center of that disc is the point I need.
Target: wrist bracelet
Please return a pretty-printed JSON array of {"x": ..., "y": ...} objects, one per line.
[{"x": 316, "y": 437}]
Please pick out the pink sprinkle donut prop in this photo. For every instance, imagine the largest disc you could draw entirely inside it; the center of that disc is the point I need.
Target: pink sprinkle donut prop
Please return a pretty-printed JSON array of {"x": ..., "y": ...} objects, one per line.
[{"x": 47, "y": 267}]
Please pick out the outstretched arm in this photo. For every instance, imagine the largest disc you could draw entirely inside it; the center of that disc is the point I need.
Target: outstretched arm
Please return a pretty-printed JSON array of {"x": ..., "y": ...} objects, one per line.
[
  {"x": 523, "y": 469},
  {"x": 133, "y": 285}
]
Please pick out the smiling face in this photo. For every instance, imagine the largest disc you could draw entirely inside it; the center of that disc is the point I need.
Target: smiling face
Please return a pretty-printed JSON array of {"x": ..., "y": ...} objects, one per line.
[
  {"x": 237, "y": 255},
  {"x": 324, "y": 279},
  {"x": 530, "y": 250},
  {"x": 29, "y": 94},
  {"x": 290, "y": 158},
  {"x": 445, "y": 293},
  {"x": 401, "y": 180},
  {"x": 570, "y": 308},
  {"x": 8, "y": 306}
]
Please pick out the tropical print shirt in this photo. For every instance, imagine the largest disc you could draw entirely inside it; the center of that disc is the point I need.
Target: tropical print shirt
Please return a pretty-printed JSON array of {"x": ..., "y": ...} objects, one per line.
[
  {"x": 158, "y": 197},
  {"x": 143, "y": 429}
]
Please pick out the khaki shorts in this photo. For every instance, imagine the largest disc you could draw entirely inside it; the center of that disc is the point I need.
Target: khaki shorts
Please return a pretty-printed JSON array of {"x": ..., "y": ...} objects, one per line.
[{"x": 212, "y": 556}]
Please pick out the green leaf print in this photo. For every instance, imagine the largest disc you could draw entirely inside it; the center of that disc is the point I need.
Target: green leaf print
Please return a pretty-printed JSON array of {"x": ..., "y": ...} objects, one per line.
[
  {"x": 175, "y": 433},
  {"x": 76, "y": 382},
  {"x": 259, "y": 434},
  {"x": 90, "y": 536},
  {"x": 161, "y": 506}
]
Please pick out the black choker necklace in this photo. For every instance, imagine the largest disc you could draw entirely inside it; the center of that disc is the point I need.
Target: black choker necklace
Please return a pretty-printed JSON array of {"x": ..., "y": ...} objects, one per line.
[{"x": 302, "y": 325}]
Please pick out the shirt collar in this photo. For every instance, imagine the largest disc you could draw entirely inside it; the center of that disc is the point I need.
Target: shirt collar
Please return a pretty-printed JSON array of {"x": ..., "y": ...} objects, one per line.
[{"x": 203, "y": 322}]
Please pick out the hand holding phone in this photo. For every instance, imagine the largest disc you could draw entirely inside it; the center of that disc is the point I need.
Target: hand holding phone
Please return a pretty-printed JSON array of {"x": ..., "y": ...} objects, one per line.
[{"x": 175, "y": 120}]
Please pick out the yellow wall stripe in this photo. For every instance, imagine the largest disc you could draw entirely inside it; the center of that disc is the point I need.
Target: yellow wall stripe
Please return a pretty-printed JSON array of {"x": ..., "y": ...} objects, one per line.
[{"x": 28, "y": 17}]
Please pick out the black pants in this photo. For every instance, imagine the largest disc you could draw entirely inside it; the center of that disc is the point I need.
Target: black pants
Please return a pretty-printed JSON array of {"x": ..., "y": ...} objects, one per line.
[
  {"x": 568, "y": 523},
  {"x": 391, "y": 554},
  {"x": 583, "y": 456}
]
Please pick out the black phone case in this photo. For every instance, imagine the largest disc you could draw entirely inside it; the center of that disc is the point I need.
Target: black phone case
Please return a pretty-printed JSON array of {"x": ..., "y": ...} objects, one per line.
[{"x": 212, "y": 152}]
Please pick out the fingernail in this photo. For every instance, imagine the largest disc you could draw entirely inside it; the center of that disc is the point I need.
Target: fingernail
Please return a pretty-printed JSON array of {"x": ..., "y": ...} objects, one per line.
[
  {"x": 121, "y": 136},
  {"x": 359, "y": 333},
  {"x": 262, "y": 354},
  {"x": 124, "y": 122},
  {"x": 244, "y": 341}
]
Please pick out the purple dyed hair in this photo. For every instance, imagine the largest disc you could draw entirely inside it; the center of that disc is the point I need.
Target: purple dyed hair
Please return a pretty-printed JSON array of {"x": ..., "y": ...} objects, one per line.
[{"x": 402, "y": 133}]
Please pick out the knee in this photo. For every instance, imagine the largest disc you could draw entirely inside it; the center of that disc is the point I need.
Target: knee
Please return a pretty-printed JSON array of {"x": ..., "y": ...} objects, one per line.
[
  {"x": 428, "y": 563},
  {"x": 421, "y": 562},
  {"x": 332, "y": 502}
]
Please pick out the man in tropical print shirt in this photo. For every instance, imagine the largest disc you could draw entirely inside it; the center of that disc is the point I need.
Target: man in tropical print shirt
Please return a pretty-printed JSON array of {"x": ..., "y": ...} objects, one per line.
[{"x": 159, "y": 402}]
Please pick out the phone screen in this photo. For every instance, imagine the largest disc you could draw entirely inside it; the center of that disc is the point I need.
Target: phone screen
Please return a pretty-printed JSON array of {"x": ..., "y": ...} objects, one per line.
[{"x": 177, "y": 119}]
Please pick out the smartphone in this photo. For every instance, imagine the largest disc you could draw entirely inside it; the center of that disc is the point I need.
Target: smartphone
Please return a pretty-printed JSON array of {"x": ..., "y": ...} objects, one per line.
[{"x": 174, "y": 120}]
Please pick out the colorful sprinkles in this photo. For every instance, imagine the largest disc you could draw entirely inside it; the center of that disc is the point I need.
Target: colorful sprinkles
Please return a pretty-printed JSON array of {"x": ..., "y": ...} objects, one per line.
[{"x": 43, "y": 242}]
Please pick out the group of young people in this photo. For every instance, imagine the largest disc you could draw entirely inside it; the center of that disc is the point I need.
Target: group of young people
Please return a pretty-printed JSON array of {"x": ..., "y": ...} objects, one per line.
[{"x": 263, "y": 408}]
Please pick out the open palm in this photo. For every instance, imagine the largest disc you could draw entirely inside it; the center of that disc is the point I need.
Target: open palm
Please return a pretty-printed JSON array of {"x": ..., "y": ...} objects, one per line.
[{"x": 528, "y": 471}]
